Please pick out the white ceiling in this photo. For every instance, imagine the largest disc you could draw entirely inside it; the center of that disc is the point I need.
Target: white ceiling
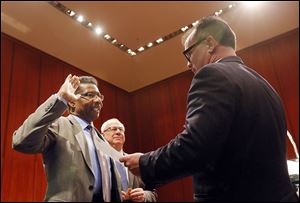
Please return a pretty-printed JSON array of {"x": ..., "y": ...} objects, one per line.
[{"x": 135, "y": 24}]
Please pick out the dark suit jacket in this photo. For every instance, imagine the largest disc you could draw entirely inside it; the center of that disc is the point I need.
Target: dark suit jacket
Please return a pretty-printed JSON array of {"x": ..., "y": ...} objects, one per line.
[
  {"x": 233, "y": 143},
  {"x": 65, "y": 154}
]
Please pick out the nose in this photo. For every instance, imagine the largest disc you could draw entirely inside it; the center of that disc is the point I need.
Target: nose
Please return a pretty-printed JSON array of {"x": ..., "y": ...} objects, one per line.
[
  {"x": 118, "y": 131},
  {"x": 189, "y": 65},
  {"x": 97, "y": 100}
]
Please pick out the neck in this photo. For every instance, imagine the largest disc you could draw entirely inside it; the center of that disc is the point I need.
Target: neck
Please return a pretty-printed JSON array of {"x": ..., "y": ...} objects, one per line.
[
  {"x": 76, "y": 114},
  {"x": 118, "y": 148},
  {"x": 221, "y": 52}
]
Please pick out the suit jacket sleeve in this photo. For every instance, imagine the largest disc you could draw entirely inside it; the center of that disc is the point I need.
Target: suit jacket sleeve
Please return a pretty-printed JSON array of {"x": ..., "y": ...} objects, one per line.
[
  {"x": 150, "y": 193},
  {"x": 36, "y": 135},
  {"x": 211, "y": 106}
]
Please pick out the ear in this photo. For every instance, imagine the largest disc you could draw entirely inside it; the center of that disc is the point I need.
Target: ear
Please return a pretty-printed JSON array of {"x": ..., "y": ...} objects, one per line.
[
  {"x": 71, "y": 106},
  {"x": 211, "y": 44}
]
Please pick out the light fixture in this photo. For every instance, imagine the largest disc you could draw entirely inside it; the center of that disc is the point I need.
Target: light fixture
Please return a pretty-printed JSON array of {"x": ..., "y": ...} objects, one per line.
[
  {"x": 149, "y": 44},
  {"x": 72, "y": 13},
  {"x": 184, "y": 28},
  {"x": 195, "y": 23},
  {"x": 98, "y": 30},
  {"x": 123, "y": 47},
  {"x": 141, "y": 49},
  {"x": 80, "y": 18},
  {"x": 159, "y": 40}
]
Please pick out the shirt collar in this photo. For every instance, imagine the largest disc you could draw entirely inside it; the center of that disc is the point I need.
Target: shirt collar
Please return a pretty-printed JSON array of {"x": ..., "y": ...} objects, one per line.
[{"x": 82, "y": 122}]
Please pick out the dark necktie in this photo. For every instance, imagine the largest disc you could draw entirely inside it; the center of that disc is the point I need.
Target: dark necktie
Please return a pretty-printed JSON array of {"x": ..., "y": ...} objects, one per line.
[
  {"x": 95, "y": 161},
  {"x": 123, "y": 174}
]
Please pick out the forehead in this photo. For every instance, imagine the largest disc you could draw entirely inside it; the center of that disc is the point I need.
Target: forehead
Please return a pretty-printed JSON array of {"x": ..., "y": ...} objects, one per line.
[
  {"x": 88, "y": 87},
  {"x": 113, "y": 124}
]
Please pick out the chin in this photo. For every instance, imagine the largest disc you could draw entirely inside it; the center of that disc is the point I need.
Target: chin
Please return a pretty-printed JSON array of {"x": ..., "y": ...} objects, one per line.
[{"x": 94, "y": 117}]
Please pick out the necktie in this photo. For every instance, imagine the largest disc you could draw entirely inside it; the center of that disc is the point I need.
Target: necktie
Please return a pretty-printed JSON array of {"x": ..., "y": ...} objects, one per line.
[
  {"x": 123, "y": 174},
  {"x": 95, "y": 161}
]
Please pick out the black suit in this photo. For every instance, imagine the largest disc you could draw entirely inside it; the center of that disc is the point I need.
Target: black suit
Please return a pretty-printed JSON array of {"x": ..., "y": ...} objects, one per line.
[{"x": 233, "y": 142}]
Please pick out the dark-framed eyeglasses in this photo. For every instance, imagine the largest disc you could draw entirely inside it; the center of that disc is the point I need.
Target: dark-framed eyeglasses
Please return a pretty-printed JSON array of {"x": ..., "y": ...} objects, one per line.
[
  {"x": 115, "y": 128},
  {"x": 92, "y": 95},
  {"x": 188, "y": 52}
]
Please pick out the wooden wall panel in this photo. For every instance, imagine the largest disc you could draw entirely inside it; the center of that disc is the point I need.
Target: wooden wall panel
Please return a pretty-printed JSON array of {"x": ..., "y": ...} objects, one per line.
[
  {"x": 259, "y": 59},
  {"x": 159, "y": 114},
  {"x": 50, "y": 79},
  {"x": 124, "y": 114},
  {"x": 152, "y": 115},
  {"x": 35, "y": 76},
  {"x": 109, "y": 109},
  {"x": 142, "y": 121},
  {"x": 285, "y": 55},
  {"x": 6, "y": 63},
  {"x": 18, "y": 169},
  {"x": 179, "y": 87},
  {"x": 277, "y": 60}
]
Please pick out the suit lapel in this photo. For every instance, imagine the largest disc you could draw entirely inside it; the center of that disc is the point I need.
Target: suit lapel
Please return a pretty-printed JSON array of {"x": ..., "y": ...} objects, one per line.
[
  {"x": 130, "y": 180},
  {"x": 105, "y": 174},
  {"x": 80, "y": 137}
]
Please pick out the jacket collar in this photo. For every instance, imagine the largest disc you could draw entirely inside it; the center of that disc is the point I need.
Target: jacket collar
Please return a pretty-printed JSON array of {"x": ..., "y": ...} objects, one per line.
[{"x": 231, "y": 59}]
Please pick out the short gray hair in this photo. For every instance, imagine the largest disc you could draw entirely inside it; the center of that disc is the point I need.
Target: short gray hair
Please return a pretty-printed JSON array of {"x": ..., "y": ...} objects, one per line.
[
  {"x": 107, "y": 124},
  {"x": 215, "y": 26}
]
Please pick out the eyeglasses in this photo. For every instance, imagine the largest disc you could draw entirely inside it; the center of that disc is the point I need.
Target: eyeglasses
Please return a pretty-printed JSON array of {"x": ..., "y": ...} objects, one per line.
[
  {"x": 121, "y": 129},
  {"x": 188, "y": 52},
  {"x": 92, "y": 95}
]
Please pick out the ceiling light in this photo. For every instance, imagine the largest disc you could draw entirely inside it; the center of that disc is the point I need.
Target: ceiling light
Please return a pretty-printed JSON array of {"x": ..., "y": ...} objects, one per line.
[
  {"x": 71, "y": 13},
  {"x": 195, "y": 23},
  {"x": 80, "y": 18},
  {"x": 106, "y": 36},
  {"x": 251, "y": 3},
  {"x": 159, "y": 40},
  {"x": 141, "y": 49},
  {"x": 184, "y": 28},
  {"x": 98, "y": 30}
]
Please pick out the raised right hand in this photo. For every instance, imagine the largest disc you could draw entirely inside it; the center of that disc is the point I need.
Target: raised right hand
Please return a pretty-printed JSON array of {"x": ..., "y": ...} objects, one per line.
[{"x": 67, "y": 90}]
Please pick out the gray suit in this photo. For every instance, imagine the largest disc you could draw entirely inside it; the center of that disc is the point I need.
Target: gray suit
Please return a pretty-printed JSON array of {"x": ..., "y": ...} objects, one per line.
[
  {"x": 65, "y": 154},
  {"x": 136, "y": 182}
]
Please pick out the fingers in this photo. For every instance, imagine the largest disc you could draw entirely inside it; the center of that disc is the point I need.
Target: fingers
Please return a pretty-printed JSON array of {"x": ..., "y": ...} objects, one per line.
[
  {"x": 138, "y": 197},
  {"x": 124, "y": 159},
  {"x": 74, "y": 81}
]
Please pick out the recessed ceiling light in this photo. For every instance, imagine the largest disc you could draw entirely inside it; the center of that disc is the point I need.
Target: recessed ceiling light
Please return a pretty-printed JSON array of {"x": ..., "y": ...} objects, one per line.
[
  {"x": 159, "y": 40},
  {"x": 98, "y": 30},
  {"x": 141, "y": 49},
  {"x": 80, "y": 18}
]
